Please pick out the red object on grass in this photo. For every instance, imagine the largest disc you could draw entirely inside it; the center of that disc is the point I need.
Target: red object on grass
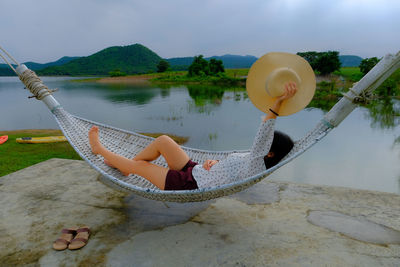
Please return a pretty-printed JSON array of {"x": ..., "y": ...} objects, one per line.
[{"x": 3, "y": 139}]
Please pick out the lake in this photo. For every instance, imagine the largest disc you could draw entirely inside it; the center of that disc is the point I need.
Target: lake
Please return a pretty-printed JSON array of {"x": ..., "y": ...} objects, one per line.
[{"x": 362, "y": 152}]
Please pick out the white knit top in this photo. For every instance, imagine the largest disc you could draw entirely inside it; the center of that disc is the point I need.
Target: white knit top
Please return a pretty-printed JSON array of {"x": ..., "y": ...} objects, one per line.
[{"x": 238, "y": 165}]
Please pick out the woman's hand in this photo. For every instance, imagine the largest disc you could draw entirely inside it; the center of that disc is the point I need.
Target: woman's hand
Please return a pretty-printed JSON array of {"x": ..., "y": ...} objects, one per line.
[
  {"x": 290, "y": 91},
  {"x": 209, "y": 163}
]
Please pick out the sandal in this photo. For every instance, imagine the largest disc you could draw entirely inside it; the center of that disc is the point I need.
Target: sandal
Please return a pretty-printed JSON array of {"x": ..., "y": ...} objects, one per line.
[
  {"x": 65, "y": 239},
  {"x": 81, "y": 238}
]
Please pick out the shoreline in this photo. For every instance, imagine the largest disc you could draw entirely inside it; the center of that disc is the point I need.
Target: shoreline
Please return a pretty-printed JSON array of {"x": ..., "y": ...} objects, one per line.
[
  {"x": 133, "y": 79},
  {"x": 179, "y": 139},
  {"x": 157, "y": 78}
]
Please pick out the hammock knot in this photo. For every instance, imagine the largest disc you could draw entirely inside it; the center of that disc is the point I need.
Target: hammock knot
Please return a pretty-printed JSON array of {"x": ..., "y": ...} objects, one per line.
[
  {"x": 35, "y": 85},
  {"x": 363, "y": 98}
]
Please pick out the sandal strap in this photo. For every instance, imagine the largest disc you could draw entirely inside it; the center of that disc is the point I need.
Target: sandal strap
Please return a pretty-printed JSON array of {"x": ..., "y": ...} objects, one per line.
[
  {"x": 84, "y": 240},
  {"x": 68, "y": 231},
  {"x": 80, "y": 230},
  {"x": 66, "y": 242}
]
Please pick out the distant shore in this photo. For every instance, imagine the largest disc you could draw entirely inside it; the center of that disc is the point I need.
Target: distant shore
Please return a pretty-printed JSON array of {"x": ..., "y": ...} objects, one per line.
[
  {"x": 229, "y": 78},
  {"x": 132, "y": 79}
]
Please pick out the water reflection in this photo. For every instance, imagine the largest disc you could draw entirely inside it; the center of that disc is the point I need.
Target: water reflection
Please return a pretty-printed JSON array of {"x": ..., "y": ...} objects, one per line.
[
  {"x": 324, "y": 103},
  {"x": 203, "y": 95},
  {"x": 127, "y": 93},
  {"x": 384, "y": 113},
  {"x": 135, "y": 97}
]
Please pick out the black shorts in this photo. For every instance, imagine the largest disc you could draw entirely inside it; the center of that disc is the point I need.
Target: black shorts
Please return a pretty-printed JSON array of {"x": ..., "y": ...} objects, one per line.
[{"x": 181, "y": 180}]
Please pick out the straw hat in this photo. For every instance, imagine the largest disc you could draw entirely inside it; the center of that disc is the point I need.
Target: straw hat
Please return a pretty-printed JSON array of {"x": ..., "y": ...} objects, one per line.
[{"x": 268, "y": 75}]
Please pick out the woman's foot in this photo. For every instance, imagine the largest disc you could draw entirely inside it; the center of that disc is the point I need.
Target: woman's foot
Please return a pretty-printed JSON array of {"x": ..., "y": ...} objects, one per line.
[
  {"x": 94, "y": 140},
  {"x": 112, "y": 166}
]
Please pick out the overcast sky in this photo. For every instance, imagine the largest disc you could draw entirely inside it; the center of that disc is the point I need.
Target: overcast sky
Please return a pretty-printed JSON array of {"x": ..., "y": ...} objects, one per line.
[{"x": 45, "y": 30}]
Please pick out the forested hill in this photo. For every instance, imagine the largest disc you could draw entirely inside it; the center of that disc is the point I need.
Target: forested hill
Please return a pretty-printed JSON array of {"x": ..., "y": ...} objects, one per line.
[
  {"x": 350, "y": 61},
  {"x": 39, "y": 66},
  {"x": 6, "y": 71},
  {"x": 136, "y": 58},
  {"x": 237, "y": 62},
  {"x": 129, "y": 59},
  {"x": 229, "y": 61}
]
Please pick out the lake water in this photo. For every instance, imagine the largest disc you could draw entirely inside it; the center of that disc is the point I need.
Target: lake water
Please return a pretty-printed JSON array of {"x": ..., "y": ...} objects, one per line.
[{"x": 363, "y": 152}]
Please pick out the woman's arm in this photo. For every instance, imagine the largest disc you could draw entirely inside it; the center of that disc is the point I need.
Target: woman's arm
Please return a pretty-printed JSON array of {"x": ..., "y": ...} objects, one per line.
[
  {"x": 290, "y": 91},
  {"x": 264, "y": 137}
]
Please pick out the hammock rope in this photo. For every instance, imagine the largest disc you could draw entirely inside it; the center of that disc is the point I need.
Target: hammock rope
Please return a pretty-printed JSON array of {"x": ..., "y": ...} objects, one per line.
[
  {"x": 35, "y": 85},
  {"x": 128, "y": 143},
  {"x": 364, "y": 97},
  {"x": 10, "y": 57}
]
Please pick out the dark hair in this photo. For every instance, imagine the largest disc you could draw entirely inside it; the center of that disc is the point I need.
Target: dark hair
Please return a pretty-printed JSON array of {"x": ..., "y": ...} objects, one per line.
[{"x": 281, "y": 146}]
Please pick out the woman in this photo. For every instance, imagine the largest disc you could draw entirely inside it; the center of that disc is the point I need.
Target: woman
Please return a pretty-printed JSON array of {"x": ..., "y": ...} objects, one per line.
[{"x": 183, "y": 174}]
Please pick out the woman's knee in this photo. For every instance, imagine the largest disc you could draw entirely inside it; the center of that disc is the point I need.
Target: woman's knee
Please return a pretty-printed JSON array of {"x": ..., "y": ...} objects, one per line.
[{"x": 164, "y": 139}]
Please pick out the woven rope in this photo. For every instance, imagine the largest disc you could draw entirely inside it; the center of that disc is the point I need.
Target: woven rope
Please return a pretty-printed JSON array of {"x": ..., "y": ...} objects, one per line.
[
  {"x": 34, "y": 84},
  {"x": 364, "y": 97},
  {"x": 128, "y": 144}
]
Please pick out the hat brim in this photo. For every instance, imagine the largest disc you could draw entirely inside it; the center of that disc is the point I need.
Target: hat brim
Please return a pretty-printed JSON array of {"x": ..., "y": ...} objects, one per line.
[{"x": 257, "y": 78}]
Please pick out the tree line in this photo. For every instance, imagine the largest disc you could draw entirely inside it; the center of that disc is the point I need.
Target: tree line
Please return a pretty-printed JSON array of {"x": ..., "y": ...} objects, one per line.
[
  {"x": 322, "y": 62},
  {"x": 199, "y": 67}
]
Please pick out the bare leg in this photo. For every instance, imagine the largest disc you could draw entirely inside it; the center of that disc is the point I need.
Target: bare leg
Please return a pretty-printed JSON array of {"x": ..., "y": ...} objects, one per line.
[
  {"x": 154, "y": 173},
  {"x": 112, "y": 166},
  {"x": 163, "y": 145}
]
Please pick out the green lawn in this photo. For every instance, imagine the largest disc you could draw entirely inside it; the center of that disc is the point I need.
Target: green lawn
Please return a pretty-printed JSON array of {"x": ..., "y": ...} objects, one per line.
[
  {"x": 350, "y": 73},
  {"x": 15, "y": 156},
  {"x": 236, "y": 73}
]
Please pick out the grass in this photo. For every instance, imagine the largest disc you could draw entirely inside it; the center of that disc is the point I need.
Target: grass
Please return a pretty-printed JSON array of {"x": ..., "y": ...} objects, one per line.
[
  {"x": 236, "y": 73},
  {"x": 231, "y": 77},
  {"x": 350, "y": 73},
  {"x": 181, "y": 77},
  {"x": 15, "y": 156}
]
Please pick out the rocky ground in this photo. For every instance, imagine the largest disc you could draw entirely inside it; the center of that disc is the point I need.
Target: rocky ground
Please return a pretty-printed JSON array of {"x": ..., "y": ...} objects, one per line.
[{"x": 271, "y": 224}]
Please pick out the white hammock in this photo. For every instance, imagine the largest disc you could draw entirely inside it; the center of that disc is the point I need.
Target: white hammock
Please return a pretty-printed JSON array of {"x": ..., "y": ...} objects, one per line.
[{"x": 128, "y": 144}]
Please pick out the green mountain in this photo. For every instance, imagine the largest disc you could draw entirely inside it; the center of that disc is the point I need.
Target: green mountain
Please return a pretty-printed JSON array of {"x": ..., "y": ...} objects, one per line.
[
  {"x": 134, "y": 59},
  {"x": 350, "y": 60},
  {"x": 230, "y": 61},
  {"x": 235, "y": 61},
  {"x": 130, "y": 59},
  {"x": 6, "y": 71},
  {"x": 180, "y": 63},
  {"x": 38, "y": 66}
]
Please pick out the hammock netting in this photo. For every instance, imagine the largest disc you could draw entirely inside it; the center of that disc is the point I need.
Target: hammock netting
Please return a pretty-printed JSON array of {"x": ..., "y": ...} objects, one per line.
[{"x": 128, "y": 144}]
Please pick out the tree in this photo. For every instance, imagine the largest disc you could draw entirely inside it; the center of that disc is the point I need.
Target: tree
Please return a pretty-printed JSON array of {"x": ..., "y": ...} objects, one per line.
[
  {"x": 200, "y": 67},
  {"x": 216, "y": 66},
  {"x": 162, "y": 66},
  {"x": 116, "y": 73},
  {"x": 328, "y": 62},
  {"x": 310, "y": 56},
  {"x": 323, "y": 62},
  {"x": 367, "y": 64}
]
